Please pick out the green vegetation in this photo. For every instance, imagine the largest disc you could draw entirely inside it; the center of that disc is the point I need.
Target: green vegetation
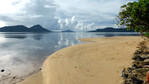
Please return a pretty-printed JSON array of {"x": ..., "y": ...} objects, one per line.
[{"x": 135, "y": 15}]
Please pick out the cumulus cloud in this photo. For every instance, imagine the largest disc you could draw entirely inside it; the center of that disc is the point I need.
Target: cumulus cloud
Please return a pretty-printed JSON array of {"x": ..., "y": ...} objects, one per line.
[
  {"x": 68, "y": 23},
  {"x": 74, "y": 24}
]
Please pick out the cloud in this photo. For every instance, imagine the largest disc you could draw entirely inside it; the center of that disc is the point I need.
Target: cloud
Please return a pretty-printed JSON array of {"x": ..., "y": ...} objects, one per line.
[
  {"x": 61, "y": 14},
  {"x": 68, "y": 23},
  {"x": 99, "y": 13},
  {"x": 31, "y": 12},
  {"x": 74, "y": 24}
]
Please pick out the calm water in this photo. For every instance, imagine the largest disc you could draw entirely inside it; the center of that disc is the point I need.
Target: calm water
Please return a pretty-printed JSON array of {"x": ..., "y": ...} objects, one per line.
[{"x": 23, "y": 53}]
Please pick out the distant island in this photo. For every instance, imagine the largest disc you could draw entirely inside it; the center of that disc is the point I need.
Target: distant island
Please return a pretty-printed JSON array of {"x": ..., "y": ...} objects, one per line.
[
  {"x": 67, "y": 31},
  {"x": 22, "y": 28},
  {"x": 111, "y": 29}
]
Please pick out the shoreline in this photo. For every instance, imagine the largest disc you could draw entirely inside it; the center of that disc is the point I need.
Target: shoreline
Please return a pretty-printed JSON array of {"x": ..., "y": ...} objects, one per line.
[{"x": 94, "y": 62}]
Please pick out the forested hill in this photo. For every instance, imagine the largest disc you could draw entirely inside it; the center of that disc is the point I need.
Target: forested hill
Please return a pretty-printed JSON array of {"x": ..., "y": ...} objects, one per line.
[
  {"x": 111, "y": 29},
  {"x": 22, "y": 28}
]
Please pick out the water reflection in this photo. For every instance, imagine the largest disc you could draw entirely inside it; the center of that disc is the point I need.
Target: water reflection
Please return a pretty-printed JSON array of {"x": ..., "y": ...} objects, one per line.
[
  {"x": 37, "y": 36},
  {"x": 111, "y": 34},
  {"x": 23, "y": 36},
  {"x": 22, "y": 54},
  {"x": 15, "y": 36}
]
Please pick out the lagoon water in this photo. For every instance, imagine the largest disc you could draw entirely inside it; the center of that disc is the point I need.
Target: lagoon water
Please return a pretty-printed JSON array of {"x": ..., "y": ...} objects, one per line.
[{"x": 22, "y": 54}]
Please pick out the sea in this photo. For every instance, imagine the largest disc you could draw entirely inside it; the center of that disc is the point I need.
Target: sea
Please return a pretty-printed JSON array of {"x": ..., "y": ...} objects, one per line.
[{"x": 22, "y": 54}]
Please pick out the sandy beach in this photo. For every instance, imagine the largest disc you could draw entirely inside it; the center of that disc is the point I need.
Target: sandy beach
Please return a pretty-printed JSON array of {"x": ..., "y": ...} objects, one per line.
[{"x": 98, "y": 61}]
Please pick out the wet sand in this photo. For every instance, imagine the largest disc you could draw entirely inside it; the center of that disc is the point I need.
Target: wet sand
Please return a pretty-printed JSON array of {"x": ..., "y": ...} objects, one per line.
[{"x": 99, "y": 61}]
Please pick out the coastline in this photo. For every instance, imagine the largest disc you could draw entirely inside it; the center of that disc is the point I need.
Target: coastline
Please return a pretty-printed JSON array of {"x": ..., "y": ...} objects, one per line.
[{"x": 99, "y": 61}]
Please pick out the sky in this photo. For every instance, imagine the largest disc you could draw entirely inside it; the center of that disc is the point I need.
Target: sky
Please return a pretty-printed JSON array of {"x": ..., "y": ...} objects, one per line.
[{"x": 78, "y": 15}]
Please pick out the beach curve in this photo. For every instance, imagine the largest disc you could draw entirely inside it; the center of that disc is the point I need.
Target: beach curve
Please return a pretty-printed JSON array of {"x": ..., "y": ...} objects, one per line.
[{"x": 100, "y": 61}]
